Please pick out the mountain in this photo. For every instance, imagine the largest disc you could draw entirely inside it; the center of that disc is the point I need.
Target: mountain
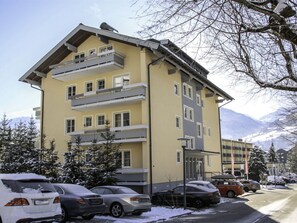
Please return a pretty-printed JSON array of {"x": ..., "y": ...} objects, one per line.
[{"x": 261, "y": 132}]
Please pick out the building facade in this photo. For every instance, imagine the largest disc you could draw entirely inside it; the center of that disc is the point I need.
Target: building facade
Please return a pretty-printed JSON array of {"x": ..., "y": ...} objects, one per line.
[
  {"x": 235, "y": 156},
  {"x": 151, "y": 92}
]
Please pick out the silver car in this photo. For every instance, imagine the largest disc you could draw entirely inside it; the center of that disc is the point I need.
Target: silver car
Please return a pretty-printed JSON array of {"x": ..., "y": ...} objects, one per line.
[{"x": 123, "y": 200}]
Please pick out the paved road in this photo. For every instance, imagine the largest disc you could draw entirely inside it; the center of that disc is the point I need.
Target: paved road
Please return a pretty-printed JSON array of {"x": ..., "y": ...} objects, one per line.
[{"x": 265, "y": 206}]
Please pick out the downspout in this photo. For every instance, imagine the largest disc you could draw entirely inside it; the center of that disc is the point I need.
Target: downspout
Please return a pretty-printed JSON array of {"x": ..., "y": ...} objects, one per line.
[
  {"x": 221, "y": 134},
  {"x": 42, "y": 114},
  {"x": 150, "y": 122}
]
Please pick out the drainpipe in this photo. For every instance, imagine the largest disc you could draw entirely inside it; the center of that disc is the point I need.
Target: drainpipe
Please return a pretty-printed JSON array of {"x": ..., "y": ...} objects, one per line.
[
  {"x": 150, "y": 122},
  {"x": 221, "y": 133},
  {"x": 42, "y": 112}
]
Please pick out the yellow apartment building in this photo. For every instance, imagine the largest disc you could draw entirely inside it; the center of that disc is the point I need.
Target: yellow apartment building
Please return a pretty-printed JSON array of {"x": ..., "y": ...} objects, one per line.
[
  {"x": 152, "y": 93},
  {"x": 235, "y": 156}
]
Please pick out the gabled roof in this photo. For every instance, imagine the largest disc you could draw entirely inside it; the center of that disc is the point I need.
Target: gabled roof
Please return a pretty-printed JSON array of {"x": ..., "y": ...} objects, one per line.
[{"x": 75, "y": 38}]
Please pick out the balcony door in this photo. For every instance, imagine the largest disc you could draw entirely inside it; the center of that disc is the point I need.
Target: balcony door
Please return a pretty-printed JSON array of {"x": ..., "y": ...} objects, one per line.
[{"x": 122, "y": 80}]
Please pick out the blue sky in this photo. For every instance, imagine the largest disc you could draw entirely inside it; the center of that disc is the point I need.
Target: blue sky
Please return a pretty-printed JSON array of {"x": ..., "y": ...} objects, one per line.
[{"x": 30, "y": 28}]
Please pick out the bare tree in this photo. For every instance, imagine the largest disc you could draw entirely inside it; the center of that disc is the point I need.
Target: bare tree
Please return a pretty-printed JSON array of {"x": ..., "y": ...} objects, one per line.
[{"x": 254, "y": 39}]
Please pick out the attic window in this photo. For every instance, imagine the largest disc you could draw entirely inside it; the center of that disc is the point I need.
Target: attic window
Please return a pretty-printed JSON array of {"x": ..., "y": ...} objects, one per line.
[{"x": 105, "y": 49}]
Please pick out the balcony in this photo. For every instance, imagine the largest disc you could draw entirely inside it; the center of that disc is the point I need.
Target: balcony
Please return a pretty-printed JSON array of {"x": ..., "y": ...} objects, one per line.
[
  {"x": 127, "y": 94},
  {"x": 127, "y": 134},
  {"x": 87, "y": 66},
  {"x": 132, "y": 176}
]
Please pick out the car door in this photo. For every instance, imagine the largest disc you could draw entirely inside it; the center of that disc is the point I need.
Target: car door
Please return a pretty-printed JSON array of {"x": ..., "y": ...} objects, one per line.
[{"x": 178, "y": 196}]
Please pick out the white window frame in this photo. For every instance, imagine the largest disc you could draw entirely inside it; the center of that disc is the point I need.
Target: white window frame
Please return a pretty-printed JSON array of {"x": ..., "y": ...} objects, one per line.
[
  {"x": 122, "y": 118},
  {"x": 67, "y": 91},
  {"x": 86, "y": 86},
  {"x": 92, "y": 52},
  {"x": 178, "y": 120},
  {"x": 123, "y": 158},
  {"x": 106, "y": 49},
  {"x": 176, "y": 89},
  {"x": 73, "y": 127},
  {"x": 188, "y": 91},
  {"x": 123, "y": 81},
  {"x": 97, "y": 116},
  {"x": 199, "y": 130},
  {"x": 190, "y": 142},
  {"x": 81, "y": 58},
  {"x": 85, "y": 121},
  {"x": 97, "y": 85},
  {"x": 198, "y": 99},
  {"x": 188, "y": 113},
  {"x": 179, "y": 156}
]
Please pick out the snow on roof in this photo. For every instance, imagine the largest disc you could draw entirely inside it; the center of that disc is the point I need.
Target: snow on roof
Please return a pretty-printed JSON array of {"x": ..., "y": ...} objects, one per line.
[{"x": 21, "y": 176}]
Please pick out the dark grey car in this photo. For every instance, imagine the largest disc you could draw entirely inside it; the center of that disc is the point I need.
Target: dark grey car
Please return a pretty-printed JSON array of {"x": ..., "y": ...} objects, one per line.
[{"x": 77, "y": 201}]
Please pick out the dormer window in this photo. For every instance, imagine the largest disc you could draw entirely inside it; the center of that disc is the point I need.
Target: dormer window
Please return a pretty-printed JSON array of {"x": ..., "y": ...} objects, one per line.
[
  {"x": 105, "y": 49},
  {"x": 78, "y": 58}
]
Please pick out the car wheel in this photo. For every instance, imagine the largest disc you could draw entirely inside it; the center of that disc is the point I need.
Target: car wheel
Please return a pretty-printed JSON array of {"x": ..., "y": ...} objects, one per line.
[
  {"x": 254, "y": 191},
  {"x": 246, "y": 189},
  {"x": 116, "y": 210},
  {"x": 230, "y": 194},
  {"x": 198, "y": 203},
  {"x": 64, "y": 215},
  {"x": 88, "y": 217}
]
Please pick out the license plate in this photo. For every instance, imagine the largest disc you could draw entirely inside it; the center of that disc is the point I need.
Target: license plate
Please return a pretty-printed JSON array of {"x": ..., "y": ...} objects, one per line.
[{"x": 41, "y": 202}]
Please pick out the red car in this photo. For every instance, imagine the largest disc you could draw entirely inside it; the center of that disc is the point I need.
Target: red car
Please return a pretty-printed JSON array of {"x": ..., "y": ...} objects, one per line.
[{"x": 229, "y": 188}]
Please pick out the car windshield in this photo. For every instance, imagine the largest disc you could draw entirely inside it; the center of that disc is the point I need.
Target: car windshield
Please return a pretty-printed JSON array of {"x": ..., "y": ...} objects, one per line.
[
  {"x": 211, "y": 186},
  {"x": 76, "y": 189},
  {"x": 29, "y": 186}
]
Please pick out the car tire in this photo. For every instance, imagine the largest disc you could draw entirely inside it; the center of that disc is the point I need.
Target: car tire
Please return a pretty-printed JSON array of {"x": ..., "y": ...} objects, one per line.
[
  {"x": 198, "y": 203},
  {"x": 64, "y": 214},
  {"x": 246, "y": 189},
  {"x": 254, "y": 191},
  {"x": 116, "y": 210},
  {"x": 88, "y": 217},
  {"x": 230, "y": 194}
]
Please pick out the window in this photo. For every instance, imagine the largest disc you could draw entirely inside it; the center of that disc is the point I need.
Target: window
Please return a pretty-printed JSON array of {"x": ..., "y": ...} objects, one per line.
[
  {"x": 187, "y": 91},
  {"x": 78, "y": 58},
  {"x": 105, "y": 49},
  {"x": 190, "y": 142},
  {"x": 178, "y": 122},
  {"x": 92, "y": 52},
  {"x": 89, "y": 86},
  {"x": 121, "y": 80},
  {"x": 198, "y": 99},
  {"x": 126, "y": 158},
  {"x": 70, "y": 125},
  {"x": 199, "y": 130},
  {"x": 100, "y": 84},
  {"x": 88, "y": 121},
  {"x": 178, "y": 156},
  {"x": 188, "y": 113},
  {"x": 71, "y": 91},
  {"x": 122, "y": 119},
  {"x": 100, "y": 120},
  {"x": 176, "y": 88}
]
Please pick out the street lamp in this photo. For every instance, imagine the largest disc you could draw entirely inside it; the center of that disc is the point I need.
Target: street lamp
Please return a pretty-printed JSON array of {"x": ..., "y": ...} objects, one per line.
[
  {"x": 184, "y": 145},
  {"x": 273, "y": 166}
]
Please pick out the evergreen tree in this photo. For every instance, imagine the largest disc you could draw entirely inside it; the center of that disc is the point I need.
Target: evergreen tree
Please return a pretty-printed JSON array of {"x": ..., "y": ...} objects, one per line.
[
  {"x": 72, "y": 170},
  {"x": 257, "y": 164},
  {"x": 272, "y": 156},
  {"x": 5, "y": 138},
  {"x": 292, "y": 159},
  {"x": 103, "y": 161}
]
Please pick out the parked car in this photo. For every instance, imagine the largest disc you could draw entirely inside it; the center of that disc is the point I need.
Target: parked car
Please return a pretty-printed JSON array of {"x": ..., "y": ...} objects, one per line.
[
  {"x": 275, "y": 180},
  {"x": 229, "y": 188},
  {"x": 28, "y": 198},
  {"x": 77, "y": 201},
  {"x": 250, "y": 185},
  {"x": 121, "y": 200},
  {"x": 196, "y": 196},
  {"x": 204, "y": 184}
]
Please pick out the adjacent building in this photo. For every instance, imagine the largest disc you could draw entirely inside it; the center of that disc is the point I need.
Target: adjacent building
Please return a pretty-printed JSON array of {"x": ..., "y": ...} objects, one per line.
[
  {"x": 235, "y": 156},
  {"x": 152, "y": 93}
]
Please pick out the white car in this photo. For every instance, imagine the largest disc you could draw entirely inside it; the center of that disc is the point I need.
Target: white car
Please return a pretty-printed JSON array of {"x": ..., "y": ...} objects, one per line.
[{"x": 28, "y": 197}]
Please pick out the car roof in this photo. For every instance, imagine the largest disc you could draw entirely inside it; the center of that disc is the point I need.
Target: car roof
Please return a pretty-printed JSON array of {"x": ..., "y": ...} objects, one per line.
[
  {"x": 22, "y": 176},
  {"x": 199, "y": 182}
]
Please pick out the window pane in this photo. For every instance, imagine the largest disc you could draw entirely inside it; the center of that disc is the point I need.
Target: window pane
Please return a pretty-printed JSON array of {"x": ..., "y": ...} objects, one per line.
[
  {"x": 101, "y": 120},
  {"x": 101, "y": 84},
  {"x": 126, "y": 120},
  {"x": 127, "y": 161},
  {"x": 117, "y": 120},
  {"x": 89, "y": 87}
]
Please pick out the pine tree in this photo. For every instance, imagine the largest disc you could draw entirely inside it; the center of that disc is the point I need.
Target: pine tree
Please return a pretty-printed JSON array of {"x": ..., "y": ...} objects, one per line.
[
  {"x": 257, "y": 164},
  {"x": 292, "y": 159},
  {"x": 72, "y": 170},
  {"x": 5, "y": 138},
  {"x": 272, "y": 156},
  {"x": 104, "y": 160}
]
